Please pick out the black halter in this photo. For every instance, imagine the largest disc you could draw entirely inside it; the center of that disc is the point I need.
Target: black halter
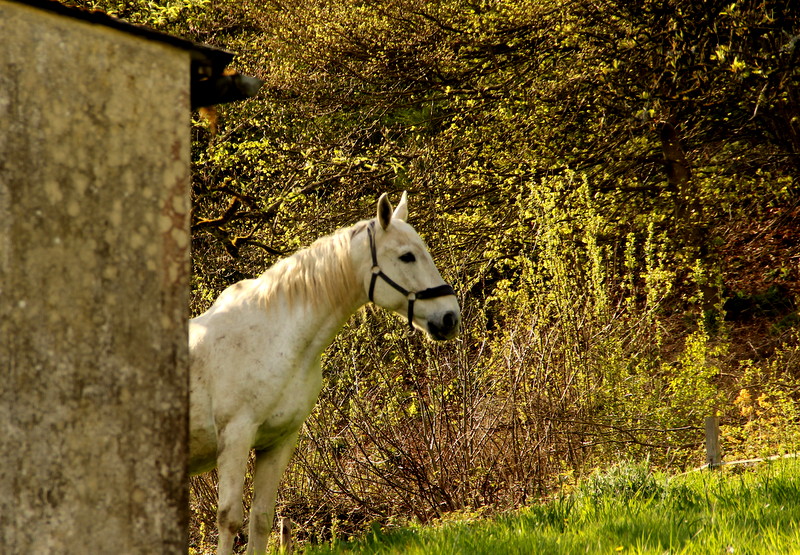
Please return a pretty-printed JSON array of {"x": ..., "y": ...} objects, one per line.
[{"x": 429, "y": 293}]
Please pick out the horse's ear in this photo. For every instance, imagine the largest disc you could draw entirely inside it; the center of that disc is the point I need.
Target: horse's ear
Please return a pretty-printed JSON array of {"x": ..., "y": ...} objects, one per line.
[
  {"x": 401, "y": 212},
  {"x": 384, "y": 211}
]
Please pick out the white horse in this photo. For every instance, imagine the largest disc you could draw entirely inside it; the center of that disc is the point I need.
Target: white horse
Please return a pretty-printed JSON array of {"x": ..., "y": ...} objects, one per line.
[{"x": 255, "y": 354}]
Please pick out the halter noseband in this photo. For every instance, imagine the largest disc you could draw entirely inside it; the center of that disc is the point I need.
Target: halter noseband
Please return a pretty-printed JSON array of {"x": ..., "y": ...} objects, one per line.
[{"x": 412, "y": 296}]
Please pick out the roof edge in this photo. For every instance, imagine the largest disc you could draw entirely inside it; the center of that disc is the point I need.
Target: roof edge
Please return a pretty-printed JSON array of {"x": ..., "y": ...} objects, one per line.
[{"x": 218, "y": 57}]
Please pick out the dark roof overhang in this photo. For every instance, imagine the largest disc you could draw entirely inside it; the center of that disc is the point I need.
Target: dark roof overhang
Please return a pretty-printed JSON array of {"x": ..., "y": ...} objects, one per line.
[{"x": 209, "y": 84}]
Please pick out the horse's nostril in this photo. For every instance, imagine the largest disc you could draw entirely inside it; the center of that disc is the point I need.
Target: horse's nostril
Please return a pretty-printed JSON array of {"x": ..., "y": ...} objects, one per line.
[{"x": 444, "y": 328}]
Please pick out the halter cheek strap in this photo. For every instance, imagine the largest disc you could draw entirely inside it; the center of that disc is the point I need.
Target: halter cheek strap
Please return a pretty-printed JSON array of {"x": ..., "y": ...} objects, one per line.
[{"x": 412, "y": 296}]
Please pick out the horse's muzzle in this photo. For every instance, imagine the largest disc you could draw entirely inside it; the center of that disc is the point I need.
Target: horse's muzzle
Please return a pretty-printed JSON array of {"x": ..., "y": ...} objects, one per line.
[{"x": 446, "y": 328}]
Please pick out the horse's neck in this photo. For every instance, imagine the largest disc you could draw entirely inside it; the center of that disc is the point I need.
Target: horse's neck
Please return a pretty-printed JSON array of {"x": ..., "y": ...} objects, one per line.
[
  {"x": 315, "y": 326},
  {"x": 314, "y": 320}
]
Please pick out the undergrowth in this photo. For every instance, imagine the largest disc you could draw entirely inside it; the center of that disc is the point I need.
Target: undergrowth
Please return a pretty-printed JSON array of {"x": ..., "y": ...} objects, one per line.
[{"x": 627, "y": 509}]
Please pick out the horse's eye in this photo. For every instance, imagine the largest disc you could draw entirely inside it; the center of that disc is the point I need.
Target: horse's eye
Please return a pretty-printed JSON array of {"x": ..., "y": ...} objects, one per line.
[{"x": 408, "y": 257}]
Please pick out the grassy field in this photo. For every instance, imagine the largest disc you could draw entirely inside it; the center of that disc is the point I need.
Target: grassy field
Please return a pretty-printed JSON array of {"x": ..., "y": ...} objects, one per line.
[{"x": 625, "y": 510}]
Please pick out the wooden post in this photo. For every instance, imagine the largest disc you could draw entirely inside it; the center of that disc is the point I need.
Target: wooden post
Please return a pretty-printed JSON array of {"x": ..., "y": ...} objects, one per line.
[
  {"x": 286, "y": 545},
  {"x": 713, "y": 448}
]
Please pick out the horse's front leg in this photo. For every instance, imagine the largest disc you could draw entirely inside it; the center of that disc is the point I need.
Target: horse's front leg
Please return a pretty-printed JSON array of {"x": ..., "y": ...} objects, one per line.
[
  {"x": 234, "y": 444},
  {"x": 270, "y": 465}
]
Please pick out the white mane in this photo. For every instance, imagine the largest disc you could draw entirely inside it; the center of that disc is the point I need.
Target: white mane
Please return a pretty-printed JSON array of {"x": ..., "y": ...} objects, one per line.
[{"x": 320, "y": 273}]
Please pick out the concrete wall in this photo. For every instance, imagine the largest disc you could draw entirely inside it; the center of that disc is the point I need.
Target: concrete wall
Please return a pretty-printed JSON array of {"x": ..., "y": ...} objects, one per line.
[{"x": 94, "y": 239}]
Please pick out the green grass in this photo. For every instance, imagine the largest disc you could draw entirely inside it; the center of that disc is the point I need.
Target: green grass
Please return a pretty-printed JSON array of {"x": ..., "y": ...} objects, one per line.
[{"x": 625, "y": 510}]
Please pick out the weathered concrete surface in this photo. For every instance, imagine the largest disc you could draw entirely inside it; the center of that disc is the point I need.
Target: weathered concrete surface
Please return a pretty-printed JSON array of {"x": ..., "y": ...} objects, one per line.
[{"x": 94, "y": 176}]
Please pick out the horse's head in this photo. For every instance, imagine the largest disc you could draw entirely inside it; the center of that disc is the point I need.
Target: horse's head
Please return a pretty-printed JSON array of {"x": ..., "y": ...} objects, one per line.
[{"x": 403, "y": 277}]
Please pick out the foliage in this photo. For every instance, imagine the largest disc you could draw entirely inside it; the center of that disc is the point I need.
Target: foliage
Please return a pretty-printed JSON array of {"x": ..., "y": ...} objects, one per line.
[
  {"x": 767, "y": 407},
  {"x": 612, "y": 187}
]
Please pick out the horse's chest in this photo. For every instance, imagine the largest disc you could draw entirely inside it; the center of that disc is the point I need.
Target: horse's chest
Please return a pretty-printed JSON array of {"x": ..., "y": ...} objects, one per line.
[{"x": 287, "y": 406}]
